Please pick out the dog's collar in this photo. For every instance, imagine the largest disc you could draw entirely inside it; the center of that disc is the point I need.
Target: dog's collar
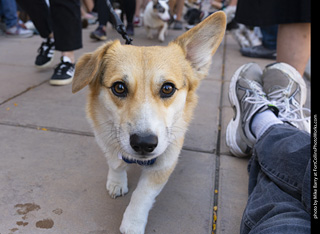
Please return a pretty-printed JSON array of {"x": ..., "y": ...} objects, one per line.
[{"x": 139, "y": 162}]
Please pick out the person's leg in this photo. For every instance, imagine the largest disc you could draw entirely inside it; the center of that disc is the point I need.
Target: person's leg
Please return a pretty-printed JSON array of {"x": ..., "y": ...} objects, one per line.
[
  {"x": 269, "y": 36},
  {"x": 66, "y": 17},
  {"x": 179, "y": 9},
  {"x": 39, "y": 13},
  {"x": 103, "y": 12},
  {"x": 269, "y": 44},
  {"x": 293, "y": 45},
  {"x": 100, "y": 33},
  {"x": 279, "y": 183},
  {"x": 129, "y": 7},
  {"x": 138, "y": 7},
  {"x": 279, "y": 170},
  {"x": 172, "y": 4},
  {"x": 9, "y": 11}
]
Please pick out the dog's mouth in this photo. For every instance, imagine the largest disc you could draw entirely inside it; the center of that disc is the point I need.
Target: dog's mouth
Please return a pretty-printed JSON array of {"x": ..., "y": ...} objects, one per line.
[
  {"x": 141, "y": 162},
  {"x": 164, "y": 19}
]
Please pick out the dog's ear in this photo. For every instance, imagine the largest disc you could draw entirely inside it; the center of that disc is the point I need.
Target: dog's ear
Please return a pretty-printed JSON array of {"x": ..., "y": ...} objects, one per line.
[
  {"x": 202, "y": 41},
  {"x": 88, "y": 67}
]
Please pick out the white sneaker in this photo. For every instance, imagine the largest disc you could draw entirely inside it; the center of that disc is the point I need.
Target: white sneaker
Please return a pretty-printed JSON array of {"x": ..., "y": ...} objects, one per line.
[{"x": 18, "y": 31}]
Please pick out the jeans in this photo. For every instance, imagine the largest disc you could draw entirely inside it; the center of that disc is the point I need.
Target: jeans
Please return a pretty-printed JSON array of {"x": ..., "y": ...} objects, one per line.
[
  {"x": 279, "y": 183},
  {"x": 269, "y": 36},
  {"x": 8, "y": 9}
]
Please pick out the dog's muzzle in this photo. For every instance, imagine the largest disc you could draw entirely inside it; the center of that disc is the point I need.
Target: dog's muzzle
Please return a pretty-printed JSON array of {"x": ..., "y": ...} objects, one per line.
[{"x": 144, "y": 145}]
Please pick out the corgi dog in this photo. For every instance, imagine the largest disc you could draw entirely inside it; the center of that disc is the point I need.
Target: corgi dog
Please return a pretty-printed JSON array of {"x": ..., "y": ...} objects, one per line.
[
  {"x": 140, "y": 103},
  {"x": 156, "y": 16}
]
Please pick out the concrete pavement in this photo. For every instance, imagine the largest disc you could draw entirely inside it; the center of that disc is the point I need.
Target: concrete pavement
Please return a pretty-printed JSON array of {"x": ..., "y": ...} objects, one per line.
[{"x": 52, "y": 173}]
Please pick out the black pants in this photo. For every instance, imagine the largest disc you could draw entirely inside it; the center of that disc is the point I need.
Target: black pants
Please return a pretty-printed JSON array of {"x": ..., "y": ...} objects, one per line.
[
  {"x": 63, "y": 18},
  {"x": 103, "y": 11},
  {"x": 128, "y": 8}
]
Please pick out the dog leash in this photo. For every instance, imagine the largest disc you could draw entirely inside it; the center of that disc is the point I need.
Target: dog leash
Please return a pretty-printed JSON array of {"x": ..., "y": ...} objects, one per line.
[{"x": 121, "y": 29}]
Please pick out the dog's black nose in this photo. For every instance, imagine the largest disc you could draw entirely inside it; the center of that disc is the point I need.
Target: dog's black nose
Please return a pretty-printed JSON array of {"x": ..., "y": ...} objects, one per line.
[{"x": 143, "y": 144}]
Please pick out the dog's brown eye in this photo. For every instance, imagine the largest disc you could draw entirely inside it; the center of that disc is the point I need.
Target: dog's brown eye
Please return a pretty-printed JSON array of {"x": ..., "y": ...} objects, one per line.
[
  {"x": 119, "y": 89},
  {"x": 167, "y": 90}
]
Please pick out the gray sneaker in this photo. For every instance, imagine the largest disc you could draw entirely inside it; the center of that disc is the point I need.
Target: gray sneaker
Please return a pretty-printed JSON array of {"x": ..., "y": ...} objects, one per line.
[
  {"x": 286, "y": 89},
  {"x": 247, "y": 98}
]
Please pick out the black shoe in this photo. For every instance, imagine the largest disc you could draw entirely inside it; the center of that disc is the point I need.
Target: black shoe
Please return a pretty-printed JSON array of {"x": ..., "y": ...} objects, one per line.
[
  {"x": 99, "y": 34},
  {"x": 63, "y": 73},
  {"x": 259, "y": 52},
  {"x": 46, "y": 53},
  {"x": 177, "y": 25},
  {"x": 130, "y": 29}
]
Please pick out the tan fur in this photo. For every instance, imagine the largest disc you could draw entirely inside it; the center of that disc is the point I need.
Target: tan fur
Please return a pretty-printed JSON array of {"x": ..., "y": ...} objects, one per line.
[{"x": 184, "y": 62}]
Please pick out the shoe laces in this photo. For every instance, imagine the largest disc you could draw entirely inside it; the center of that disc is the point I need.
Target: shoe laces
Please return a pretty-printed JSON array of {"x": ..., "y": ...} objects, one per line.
[
  {"x": 45, "y": 45},
  {"x": 258, "y": 98},
  {"x": 61, "y": 66},
  {"x": 288, "y": 107}
]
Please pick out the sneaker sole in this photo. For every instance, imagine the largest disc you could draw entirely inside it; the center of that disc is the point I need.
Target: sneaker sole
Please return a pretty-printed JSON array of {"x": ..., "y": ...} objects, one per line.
[
  {"x": 61, "y": 82},
  {"x": 102, "y": 38},
  {"x": 27, "y": 35},
  {"x": 233, "y": 125}
]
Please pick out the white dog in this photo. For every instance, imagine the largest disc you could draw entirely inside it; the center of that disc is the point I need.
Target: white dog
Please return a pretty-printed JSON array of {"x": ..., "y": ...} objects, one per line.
[{"x": 156, "y": 16}]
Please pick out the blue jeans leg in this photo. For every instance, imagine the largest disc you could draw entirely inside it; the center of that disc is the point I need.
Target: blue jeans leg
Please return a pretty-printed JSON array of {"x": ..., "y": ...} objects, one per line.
[
  {"x": 279, "y": 183},
  {"x": 269, "y": 36},
  {"x": 9, "y": 11}
]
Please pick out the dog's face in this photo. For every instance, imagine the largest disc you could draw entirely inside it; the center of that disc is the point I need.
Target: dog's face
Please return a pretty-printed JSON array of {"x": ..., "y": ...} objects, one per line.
[
  {"x": 142, "y": 91},
  {"x": 141, "y": 98},
  {"x": 161, "y": 8}
]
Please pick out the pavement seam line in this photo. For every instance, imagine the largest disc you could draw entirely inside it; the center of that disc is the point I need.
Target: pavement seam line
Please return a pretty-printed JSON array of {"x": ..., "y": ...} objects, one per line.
[
  {"x": 218, "y": 145},
  {"x": 46, "y": 128},
  {"x": 23, "y": 92},
  {"x": 74, "y": 132}
]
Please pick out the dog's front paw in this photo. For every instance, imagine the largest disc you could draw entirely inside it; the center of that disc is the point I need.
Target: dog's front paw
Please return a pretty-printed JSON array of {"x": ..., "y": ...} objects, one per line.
[
  {"x": 131, "y": 227},
  {"x": 134, "y": 219},
  {"x": 117, "y": 189},
  {"x": 161, "y": 38}
]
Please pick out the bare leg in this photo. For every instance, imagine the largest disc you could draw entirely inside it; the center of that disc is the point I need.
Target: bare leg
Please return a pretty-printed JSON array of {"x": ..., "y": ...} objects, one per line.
[
  {"x": 294, "y": 45},
  {"x": 69, "y": 54},
  {"x": 179, "y": 9},
  {"x": 138, "y": 7},
  {"x": 176, "y": 7}
]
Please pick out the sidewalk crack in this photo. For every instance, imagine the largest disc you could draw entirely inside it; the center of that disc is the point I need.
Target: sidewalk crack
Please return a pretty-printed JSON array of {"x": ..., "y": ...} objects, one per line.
[{"x": 23, "y": 92}]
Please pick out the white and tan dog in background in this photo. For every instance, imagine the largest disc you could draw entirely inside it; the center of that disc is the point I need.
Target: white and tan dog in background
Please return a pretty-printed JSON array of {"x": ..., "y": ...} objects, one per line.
[
  {"x": 156, "y": 16},
  {"x": 140, "y": 102}
]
